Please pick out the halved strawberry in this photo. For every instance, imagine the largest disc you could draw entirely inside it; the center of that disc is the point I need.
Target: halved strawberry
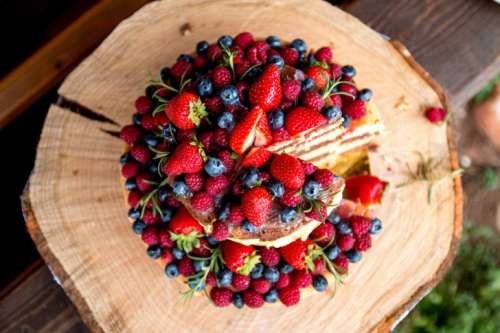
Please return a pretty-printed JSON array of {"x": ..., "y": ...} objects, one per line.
[
  {"x": 243, "y": 135},
  {"x": 239, "y": 258},
  {"x": 256, "y": 204},
  {"x": 266, "y": 90},
  {"x": 186, "y": 110},
  {"x": 365, "y": 189},
  {"x": 263, "y": 135},
  {"x": 300, "y": 119},
  {"x": 185, "y": 230},
  {"x": 256, "y": 157}
]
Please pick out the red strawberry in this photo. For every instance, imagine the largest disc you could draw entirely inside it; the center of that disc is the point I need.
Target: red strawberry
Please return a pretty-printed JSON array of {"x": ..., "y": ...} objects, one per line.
[
  {"x": 263, "y": 135},
  {"x": 185, "y": 230},
  {"x": 295, "y": 253},
  {"x": 130, "y": 134},
  {"x": 243, "y": 134},
  {"x": 239, "y": 258},
  {"x": 319, "y": 75},
  {"x": 221, "y": 296},
  {"x": 365, "y": 189},
  {"x": 256, "y": 204},
  {"x": 256, "y": 157},
  {"x": 289, "y": 295},
  {"x": 356, "y": 109},
  {"x": 185, "y": 159},
  {"x": 266, "y": 90},
  {"x": 288, "y": 170},
  {"x": 280, "y": 134},
  {"x": 324, "y": 54},
  {"x": 300, "y": 119},
  {"x": 323, "y": 234},
  {"x": 186, "y": 110}
]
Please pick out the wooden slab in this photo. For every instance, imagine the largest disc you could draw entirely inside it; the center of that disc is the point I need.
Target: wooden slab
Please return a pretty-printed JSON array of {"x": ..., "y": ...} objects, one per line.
[{"x": 77, "y": 218}]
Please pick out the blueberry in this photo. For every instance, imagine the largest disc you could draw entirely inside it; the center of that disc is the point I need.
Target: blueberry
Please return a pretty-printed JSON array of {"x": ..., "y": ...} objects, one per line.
[
  {"x": 344, "y": 228},
  {"x": 353, "y": 256},
  {"x": 332, "y": 112},
  {"x": 226, "y": 121},
  {"x": 307, "y": 84},
  {"x": 226, "y": 40},
  {"x": 276, "y": 119},
  {"x": 271, "y": 296},
  {"x": 332, "y": 252},
  {"x": 200, "y": 264},
  {"x": 138, "y": 226},
  {"x": 136, "y": 119},
  {"x": 299, "y": 45},
  {"x": 180, "y": 189},
  {"x": 195, "y": 283},
  {"x": 126, "y": 157},
  {"x": 165, "y": 74},
  {"x": 168, "y": 132},
  {"x": 254, "y": 72},
  {"x": 277, "y": 189},
  {"x": 285, "y": 268},
  {"x": 334, "y": 218},
  {"x": 251, "y": 178},
  {"x": 376, "y": 226},
  {"x": 277, "y": 60},
  {"x": 271, "y": 274},
  {"x": 150, "y": 139},
  {"x": 171, "y": 270},
  {"x": 205, "y": 87},
  {"x": 212, "y": 242},
  {"x": 214, "y": 167},
  {"x": 154, "y": 251},
  {"x": 365, "y": 95},
  {"x": 312, "y": 189},
  {"x": 130, "y": 184},
  {"x": 229, "y": 95},
  {"x": 347, "y": 121},
  {"x": 163, "y": 193},
  {"x": 153, "y": 167},
  {"x": 134, "y": 213},
  {"x": 248, "y": 227},
  {"x": 238, "y": 300},
  {"x": 349, "y": 70},
  {"x": 150, "y": 91},
  {"x": 320, "y": 283},
  {"x": 257, "y": 271},
  {"x": 288, "y": 214},
  {"x": 178, "y": 253},
  {"x": 224, "y": 212},
  {"x": 273, "y": 41},
  {"x": 166, "y": 215},
  {"x": 184, "y": 57},
  {"x": 202, "y": 47},
  {"x": 225, "y": 277}
]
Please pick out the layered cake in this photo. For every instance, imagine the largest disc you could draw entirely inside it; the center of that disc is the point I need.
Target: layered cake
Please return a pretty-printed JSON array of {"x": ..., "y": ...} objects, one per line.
[{"x": 228, "y": 170}]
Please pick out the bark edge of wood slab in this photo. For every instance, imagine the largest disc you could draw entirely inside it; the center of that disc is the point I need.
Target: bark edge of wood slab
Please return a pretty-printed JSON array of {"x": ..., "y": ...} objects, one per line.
[{"x": 64, "y": 226}]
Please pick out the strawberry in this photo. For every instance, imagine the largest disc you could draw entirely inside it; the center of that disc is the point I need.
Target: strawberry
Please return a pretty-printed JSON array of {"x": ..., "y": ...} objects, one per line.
[
  {"x": 266, "y": 90},
  {"x": 365, "y": 189},
  {"x": 295, "y": 253},
  {"x": 243, "y": 134},
  {"x": 256, "y": 204},
  {"x": 256, "y": 157},
  {"x": 186, "y": 110},
  {"x": 263, "y": 135},
  {"x": 185, "y": 230},
  {"x": 300, "y": 119},
  {"x": 288, "y": 170},
  {"x": 319, "y": 75},
  {"x": 280, "y": 134},
  {"x": 185, "y": 159},
  {"x": 239, "y": 258}
]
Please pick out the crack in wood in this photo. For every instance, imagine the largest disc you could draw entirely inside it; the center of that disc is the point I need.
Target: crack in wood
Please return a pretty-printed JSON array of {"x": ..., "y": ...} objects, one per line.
[
  {"x": 115, "y": 134},
  {"x": 85, "y": 112}
]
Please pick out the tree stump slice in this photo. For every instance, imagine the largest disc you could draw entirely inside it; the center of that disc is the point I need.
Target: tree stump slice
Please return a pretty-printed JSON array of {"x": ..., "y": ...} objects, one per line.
[{"x": 74, "y": 203}]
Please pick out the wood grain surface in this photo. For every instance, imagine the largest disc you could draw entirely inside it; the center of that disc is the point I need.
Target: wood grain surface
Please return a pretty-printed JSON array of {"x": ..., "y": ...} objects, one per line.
[{"x": 77, "y": 218}]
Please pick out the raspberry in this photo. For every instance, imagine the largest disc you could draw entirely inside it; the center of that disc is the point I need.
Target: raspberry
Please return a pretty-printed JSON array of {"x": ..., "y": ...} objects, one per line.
[
  {"x": 214, "y": 52},
  {"x": 185, "y": 134},
  {"x": 141, "y": 154},
  {"x": 130, "y": 169},
  {"x": 356, "y": 109},
  {"x": 240, "y": 282},
  {"x": 301, "y": 279},
  {"x": 264, "y": 176},
  {"x": 324, "y": 178},
  {"x": 273, "y": 52},
  {"x": 220, "y": 231},
  {"x": 283, "y": 281},
  {"x": 195, "y": 181},
  {"x": 253, "y": 299},
  {"x": 291, "y": 89},
  {"x": 199, "y": 61},
  {"x": 216, "y": 185},
  {"x": 242, "y": 67},
  {"x": 290, "y": 198},
  {"x": 166, "y": 256},
  {"x": 143, "y": 104},
  {"x": 148, "y": 122},
  {"x": 345, "y": 242},
  {"x": 290, "y": 56},
  {"x": 336, "y": 100},
  {"x": 335, "y": 71},
  {"x": 269, "y": 256},
  {"x": 221, "y": 137},
  {"x": 238, "y": 188},
  {"x": 150, "y": 235},
  {"x": 280, "y": 134},
  {"x": 242, "y": 87},
  {"x": 165, "y": 240},
  {"x": 261, "y": 285},
  {"x": 238, "y": 54},
  {"x": 180, "y": 69},
  {"x": 150, "y": 218},
  {"x": 203, "y": 250},
  {"x": 289, "y": 295},
  {"x": 211, "y": 279},
  {"x": 206, "y": 138},
  {"x": 161, "y": 119},
  {"x": 236, "y": 215},
  {"x": 133, "y": 198},
  {"x": 143, "y": 180},
  {"x": 261, "y": 47},
  {"x": 348, "y": 88},
  {"x": 309, "y": 168},
  {"x": 363, "y": 243},
  {"x": 130, "y": 134},
  {"x": 221, "y": 76},
  {"x": 360, "y": 225},
  {"x": 202, "y": 202},
  {"x": 341, "y": 262},
  {"x": 186, "y": 266},
  {"x": 319, "y": 266},
  {"x": 435, "y": 115},
  {"x": 225, "y": 157},
  {"x": 243, "y": 40},
  {"x": 313, "y": 100},
  {"x": 323, "y": 234},
  {"x": 257, "y": 54},
  {"x": 221, "y": 296},
  {"x": 318, "y": 215},
  {"x": 324, "y": 54},
  {"x": 173, "y": 202},
  {"x": 213, "y": 104}
]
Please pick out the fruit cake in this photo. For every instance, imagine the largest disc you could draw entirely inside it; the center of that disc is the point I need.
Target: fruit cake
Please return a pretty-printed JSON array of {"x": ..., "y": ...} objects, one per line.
[{"x": 223, "y": 169}]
